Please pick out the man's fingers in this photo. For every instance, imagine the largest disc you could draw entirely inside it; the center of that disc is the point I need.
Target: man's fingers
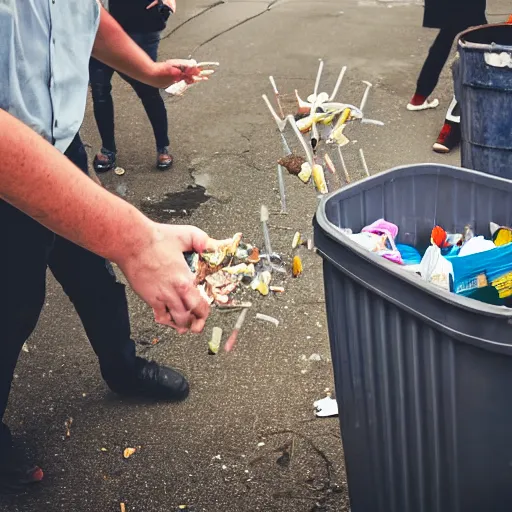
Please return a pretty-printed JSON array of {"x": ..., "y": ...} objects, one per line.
[
  {"x": 162, "y": 315},
  {"x": 213, "y": 245},
  {"x": 197, "y": 325}
]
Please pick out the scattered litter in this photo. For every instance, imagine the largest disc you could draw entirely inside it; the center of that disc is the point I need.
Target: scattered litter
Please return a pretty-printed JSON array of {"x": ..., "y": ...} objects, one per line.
[
  {"x": 103, "y": 450},
  {"x": 224, "y": 467},
  {"x": 319, "y": 179},
  {"x": 261, "y": 444},
  {"x": 214, "y": 343},
  {"x": 128, "y": 452},
  {"x": 266, "y": 318},
  {"x": 25, "y": 347},
  {"x": 231, "y": 341},
  {"x": 261, "y": 282},
  {"x": 122, "y": 506},
  {"x": 220, "y": 274},
  {"x": 326, "y": 407},
  {"x": 277, "y": 289},
  {"x": 315, "y": 357},
  {"x": 217, "y": 457},
  {"x": 155, "y": 341},
  {"x": 305, "y": 172},
  {"x": 264, "y": 216},
  {"x": 282, "y": 192},
  {"x": 68, "y": 424},
  {"x": 292, "y": 163},
  {"x": 296, "y": 266},
  {"x": 119, "y": 171}
]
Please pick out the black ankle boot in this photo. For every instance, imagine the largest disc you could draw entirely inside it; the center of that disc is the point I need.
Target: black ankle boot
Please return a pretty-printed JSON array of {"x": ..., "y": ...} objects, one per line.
[{"x": 148, "y": 379}]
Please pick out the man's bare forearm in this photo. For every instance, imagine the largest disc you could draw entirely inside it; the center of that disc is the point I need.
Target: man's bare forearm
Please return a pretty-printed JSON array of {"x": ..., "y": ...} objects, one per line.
[
  {"x": 114, "y": 47},
  {"x": 37, "y": 179}
]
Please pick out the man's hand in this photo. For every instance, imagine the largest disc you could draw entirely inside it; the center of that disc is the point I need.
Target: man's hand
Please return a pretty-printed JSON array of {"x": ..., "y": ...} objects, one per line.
[
  {"x": 116, "y": 49},
  {"x": 170, "y": 3},
  {"x": 160, "y": 275},
  {"x": 175, "y": 70},
  {"x": 65, "y": 200}
]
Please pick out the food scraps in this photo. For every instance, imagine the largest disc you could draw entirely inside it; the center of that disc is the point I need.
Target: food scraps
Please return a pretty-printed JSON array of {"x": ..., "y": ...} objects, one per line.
[
  {"x": 214, "y": 343},
  {"x": 292, "y": 163},
  {"x": 220, "y": 274},
  {"x": 128, "y": 452},
  {"x": 296, "y": 266}
]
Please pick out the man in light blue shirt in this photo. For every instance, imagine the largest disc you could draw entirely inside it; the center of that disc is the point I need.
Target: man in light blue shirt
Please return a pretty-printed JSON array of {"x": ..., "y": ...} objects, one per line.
[{"x": 44, "y": 55}]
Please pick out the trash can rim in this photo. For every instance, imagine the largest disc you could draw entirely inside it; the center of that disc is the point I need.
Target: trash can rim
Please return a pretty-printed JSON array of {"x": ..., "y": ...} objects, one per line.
[
  {"x": 336, "y": 234},
  {"x": 487, "y": 47}
]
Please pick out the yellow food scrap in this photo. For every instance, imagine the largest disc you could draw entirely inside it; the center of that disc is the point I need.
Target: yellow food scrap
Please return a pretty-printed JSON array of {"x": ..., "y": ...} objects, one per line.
[
  {"x": 297, "y": 240},
  {"x": 128, "y": 452},
  {"x": 214, "y": 343},
  {"x": 319, "y": 179},
  {"x": 305, "y": 173},
  {"x": 296, "y": 266}
]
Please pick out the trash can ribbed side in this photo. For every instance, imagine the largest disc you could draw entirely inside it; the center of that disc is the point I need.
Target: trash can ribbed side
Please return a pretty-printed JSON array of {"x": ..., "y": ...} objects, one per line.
[
  {"x": 486, "y": 99},
  {"x": 423, "y": 378}
]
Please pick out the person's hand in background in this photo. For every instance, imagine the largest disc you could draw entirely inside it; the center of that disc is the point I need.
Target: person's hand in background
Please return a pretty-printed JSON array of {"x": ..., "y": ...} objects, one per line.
[{"x": 169, "y": 3}]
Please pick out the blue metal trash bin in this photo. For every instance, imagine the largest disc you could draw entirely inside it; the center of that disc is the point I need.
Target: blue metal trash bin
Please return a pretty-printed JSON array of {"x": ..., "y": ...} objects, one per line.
[{"x": 485, "y": 90}]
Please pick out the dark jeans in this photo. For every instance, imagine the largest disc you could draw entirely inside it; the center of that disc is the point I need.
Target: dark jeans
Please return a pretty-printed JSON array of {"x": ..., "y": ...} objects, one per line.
[
  {"x": 28, "y": 248},
  {"x": 435, "y": 61},
  {"x": 100, "y": 76}
]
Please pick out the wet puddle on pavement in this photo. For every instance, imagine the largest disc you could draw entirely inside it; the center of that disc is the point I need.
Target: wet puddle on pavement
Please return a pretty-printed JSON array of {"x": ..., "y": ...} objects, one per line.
[{"x": 175, "y": 204}]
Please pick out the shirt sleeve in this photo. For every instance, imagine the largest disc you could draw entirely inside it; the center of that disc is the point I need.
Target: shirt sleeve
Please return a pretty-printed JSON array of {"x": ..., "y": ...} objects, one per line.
[{"x": 6, "y": 29}]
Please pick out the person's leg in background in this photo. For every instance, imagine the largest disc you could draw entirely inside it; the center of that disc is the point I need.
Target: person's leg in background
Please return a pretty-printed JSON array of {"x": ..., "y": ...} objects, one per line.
[
  {"x": 152, "y": 101},
  {"x": 450, "y": 135},
  {"x": 100, "y": 301},
  {"x": 429, "y": 75},
  {"x": 100, "y": 77},
  {"x": 23, "y": 260}
]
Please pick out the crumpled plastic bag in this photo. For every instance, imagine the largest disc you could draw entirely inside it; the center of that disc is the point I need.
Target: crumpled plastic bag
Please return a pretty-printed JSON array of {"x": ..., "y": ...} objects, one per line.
[{"x": 436, "y": 269}]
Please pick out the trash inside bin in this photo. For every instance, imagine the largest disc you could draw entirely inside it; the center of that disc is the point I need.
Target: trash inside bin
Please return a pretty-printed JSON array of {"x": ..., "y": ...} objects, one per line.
[
  {"x": 486, "y": 97},
  {"x": 423, "y": 376}
]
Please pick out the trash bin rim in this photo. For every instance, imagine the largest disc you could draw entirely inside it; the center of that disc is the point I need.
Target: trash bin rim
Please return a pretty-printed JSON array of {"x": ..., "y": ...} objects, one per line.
[
  {"x": 486, "y": 47},
  {"x": 389, "y": 267}
]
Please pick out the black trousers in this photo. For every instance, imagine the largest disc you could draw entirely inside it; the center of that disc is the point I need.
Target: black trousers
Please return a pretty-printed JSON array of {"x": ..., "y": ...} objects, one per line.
[
  {"x": 100, "y": 76},
  {"x": 27, "y": 249},
  {"x": 435, "y": 61}
]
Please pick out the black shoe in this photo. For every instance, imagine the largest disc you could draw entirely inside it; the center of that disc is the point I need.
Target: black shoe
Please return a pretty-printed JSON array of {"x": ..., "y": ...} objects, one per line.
[
  {"x": 15, "y": 473},
  {"x": 449, "y": 138},
  {"x": 106, "y": 163},
  {"x": 148, "y": 379}
]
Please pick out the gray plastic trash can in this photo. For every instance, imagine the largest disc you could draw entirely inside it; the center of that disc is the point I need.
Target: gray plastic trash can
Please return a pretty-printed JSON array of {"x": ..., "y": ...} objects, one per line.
[
  {"x": 485, "y": 95},
  {"x": 423, "y": 377}
]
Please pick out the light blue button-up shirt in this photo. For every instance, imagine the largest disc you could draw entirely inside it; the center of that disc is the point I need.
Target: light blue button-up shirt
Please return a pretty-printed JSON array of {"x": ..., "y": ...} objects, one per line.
[{"x": 45, "y": 47}]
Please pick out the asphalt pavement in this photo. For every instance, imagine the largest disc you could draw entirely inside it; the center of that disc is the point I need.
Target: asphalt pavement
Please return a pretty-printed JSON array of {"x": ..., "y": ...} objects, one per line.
[{"x": 219, "y": 450}]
